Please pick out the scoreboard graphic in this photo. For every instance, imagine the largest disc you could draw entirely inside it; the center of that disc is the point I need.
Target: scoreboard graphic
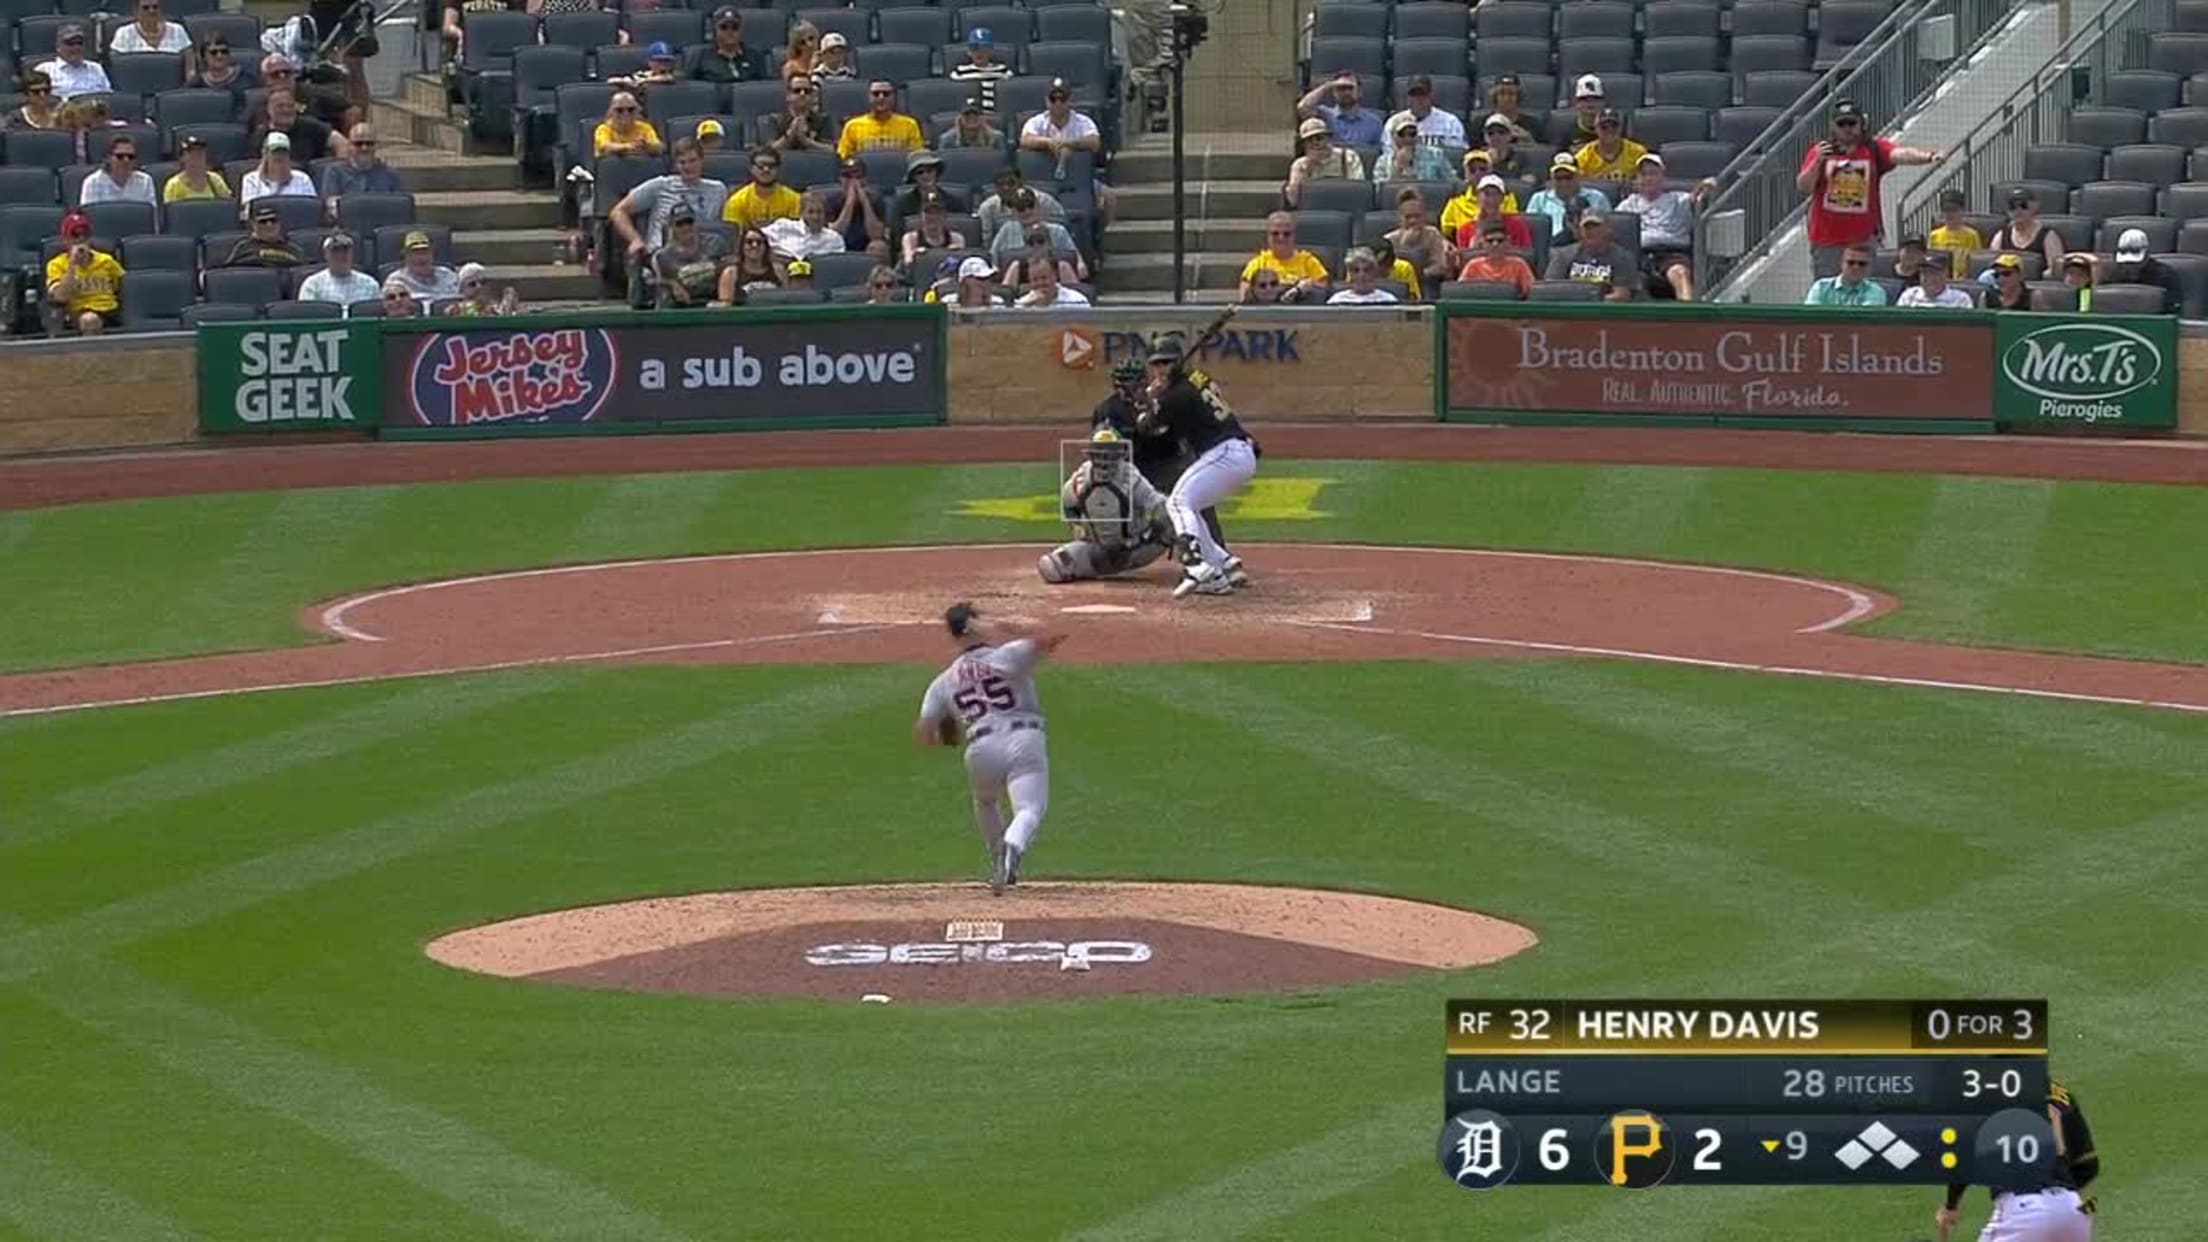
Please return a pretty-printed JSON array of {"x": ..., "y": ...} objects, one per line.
[{"x": 1643, "y": 1093}]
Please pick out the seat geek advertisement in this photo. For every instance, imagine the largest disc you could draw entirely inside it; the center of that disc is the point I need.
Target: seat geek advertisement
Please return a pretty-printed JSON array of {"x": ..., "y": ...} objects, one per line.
[{"x": 811, "y": 369}]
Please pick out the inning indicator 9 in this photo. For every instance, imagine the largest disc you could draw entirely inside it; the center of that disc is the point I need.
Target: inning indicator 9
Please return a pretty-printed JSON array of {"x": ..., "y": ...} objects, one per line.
[{"x": 1638, "y": 1093}]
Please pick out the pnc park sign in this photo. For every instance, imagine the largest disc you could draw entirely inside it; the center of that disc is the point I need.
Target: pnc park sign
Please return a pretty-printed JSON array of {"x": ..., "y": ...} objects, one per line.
[{"x": 2088, "y": 370}]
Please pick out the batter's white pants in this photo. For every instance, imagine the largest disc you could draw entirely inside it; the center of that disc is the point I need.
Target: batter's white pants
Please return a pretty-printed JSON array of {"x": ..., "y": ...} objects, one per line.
[
  {"x": 1225, "y": 468},
  {"x": 2048, "y": 1216},
  {"x": 1009, "y": 771}
]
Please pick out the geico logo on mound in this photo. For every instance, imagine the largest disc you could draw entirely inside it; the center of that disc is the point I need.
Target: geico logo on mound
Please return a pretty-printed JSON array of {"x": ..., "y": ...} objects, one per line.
[
  {"x": 1004, "y": 953},
  {"x": 562, "y": 375},
  {"x": 294, "y": 377},
  {"x": 2080, "y": 370}
]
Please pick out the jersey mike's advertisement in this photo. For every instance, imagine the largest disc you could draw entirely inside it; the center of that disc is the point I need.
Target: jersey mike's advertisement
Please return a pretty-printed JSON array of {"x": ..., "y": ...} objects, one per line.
[
  {"x": 828, "y": 368},
  {"x": 1912, "y": 369}
]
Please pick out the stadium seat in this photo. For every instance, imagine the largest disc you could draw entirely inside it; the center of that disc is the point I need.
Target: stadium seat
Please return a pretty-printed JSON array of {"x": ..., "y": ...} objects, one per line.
[
  {"x": 1771, "y": 88},
  {"x": 1476, "y": 291},
  {"x": 855, "y": 25},
  {"x": 1594, "y": 19},
  {"x": 146, "y": 73},
  {"x": 2107, "y": 127},
  {"x": 1350, "y": 19},
  {"x": 2183, "y": 127},
  {"x": 1670, "y": 19},
  {"x": 1843, "y": 24},
  {"x": 2072, "y": 164},
  {"x": 72, "y": 181},
  {"x": 1692, "y": 161},
  {"x": 1432, "y": 19},
  {"x": 196, "y": 218},
  {"x": 369, "y": 308},
  {"x": 1604, "y": 56},
  {"x": 786, "y": 297},
  {"x": 1681, "y": 54},
  {"x": 218, "y": 312},
  {"x": 1564, "y": 291},
  {"x": 895, "y": 62},
  {"x": 1513, "y": 54},
  {"x": 1338, "y": 194},
  {"x": 194, "y": 106},
  {"x": 1706, "y": 90},
  {"x": 1756, "y": 18},
  {"x": 2146, "y": 90},
  {"x": 2102, "y": 199},
  {"x": 287, "y": 308},
  {"x": 1743, "y": 125},
  {"x": 243, "y": 286},
  {"x": 2161, "y": 233},
  {"x": 492, "y": 37},
  {"x": 2122, "y": 299},
  {"x": 42, "y": 148},
  {"x": 35, "y": 36},
  {"x": 582, "y": 30},
  {"x": 1365, "y": 56},
  {"x": 2192, "y": 276},
  {"x": 120, "y": 219},
  {"x": 1514, "y": 19},
  {"x": 1010, "y": 26},
  {"x": 1653, "y": 127},
  {"x": 621, "y": 61},
  {"x": 167, "y": 251},
  {"x": 2186, "y": 201},
  {"x": 28, "y": 184},
  {"x": 226, "y": 141},
  {"x": 847, "y": 98},
  {"x": 2191, "y": 16},
  {"x": 924, "y": 27},
  {"x": 2181, "y": 53},
  {"x": 836, "y": 271},
  {"x": 241, "y": 30},
  {"x": 1452, "y": 93},
  {"x": 24, "y": 228},
  {"x": 677, "y": 28},
  {"x": 1432, "y": 57},
  {"x": 2152, "y": 163},
  {"x": 803, "y": 169},
  {"x": 154, "y": 299}
]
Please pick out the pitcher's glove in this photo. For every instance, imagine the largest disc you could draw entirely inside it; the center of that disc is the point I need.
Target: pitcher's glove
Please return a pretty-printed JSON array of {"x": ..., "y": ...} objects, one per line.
[{"x": 950, "y": 733}]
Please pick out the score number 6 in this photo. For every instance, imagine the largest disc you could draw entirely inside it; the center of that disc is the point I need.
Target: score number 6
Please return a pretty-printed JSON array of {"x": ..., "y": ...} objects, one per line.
[{"x": 1555, "y": 1155}]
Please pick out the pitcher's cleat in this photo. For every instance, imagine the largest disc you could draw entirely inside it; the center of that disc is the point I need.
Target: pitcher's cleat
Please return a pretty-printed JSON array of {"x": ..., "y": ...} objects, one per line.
[{"x": 1236, "y": 574}]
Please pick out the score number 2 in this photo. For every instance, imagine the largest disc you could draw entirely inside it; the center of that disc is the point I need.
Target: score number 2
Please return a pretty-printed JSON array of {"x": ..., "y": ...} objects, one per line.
[{"x": 1556, "y": 1154}]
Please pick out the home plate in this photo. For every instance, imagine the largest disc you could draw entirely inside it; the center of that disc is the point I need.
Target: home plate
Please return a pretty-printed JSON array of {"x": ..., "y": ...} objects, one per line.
[{"x": 1092, "y": 610}]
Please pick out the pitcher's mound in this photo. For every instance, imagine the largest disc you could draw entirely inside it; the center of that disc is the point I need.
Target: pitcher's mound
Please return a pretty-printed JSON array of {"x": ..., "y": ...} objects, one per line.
[{"x": 956, "y": 942}]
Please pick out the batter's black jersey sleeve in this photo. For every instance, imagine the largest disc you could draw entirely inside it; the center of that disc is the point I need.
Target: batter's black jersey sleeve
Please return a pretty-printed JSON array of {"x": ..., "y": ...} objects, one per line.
[
  {"x": 2079, "y": 1164},
  {"x": 1115, "y": 412},
  {"x": 1193, "y": 409},
  {"x": 1157, "y": 453}
]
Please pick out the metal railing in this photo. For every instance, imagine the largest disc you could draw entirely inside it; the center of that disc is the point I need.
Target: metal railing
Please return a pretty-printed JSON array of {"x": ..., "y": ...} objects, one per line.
[
  {"x": 2038, "y": 111},
  {"x": 1886, "y": 74}
]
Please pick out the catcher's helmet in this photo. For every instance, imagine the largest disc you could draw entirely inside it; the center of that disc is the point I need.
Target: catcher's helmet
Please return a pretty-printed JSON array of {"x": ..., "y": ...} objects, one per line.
[{"x": 1127, "y": 373}]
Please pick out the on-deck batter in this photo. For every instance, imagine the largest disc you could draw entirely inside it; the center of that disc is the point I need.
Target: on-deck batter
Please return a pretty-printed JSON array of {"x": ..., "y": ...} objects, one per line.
[{"x": 989, "y": 693}]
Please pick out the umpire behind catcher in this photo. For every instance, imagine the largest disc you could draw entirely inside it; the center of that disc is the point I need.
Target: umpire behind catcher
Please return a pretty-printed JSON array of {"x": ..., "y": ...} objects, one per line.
[{"x": 1160, "y": 456}]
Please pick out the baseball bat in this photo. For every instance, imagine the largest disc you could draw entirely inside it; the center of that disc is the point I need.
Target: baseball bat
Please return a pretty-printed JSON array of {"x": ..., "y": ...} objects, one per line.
[{"x": 1204, "y": 337}]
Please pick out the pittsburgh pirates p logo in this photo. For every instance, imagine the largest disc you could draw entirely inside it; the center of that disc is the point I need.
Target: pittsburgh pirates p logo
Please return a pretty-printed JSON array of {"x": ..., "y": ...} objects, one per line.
[{"x": 1634, "y": 1150}]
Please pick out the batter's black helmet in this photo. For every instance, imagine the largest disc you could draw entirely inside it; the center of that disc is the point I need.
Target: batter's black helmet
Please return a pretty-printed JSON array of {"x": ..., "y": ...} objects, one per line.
[{"x": 1166, "y": 348}]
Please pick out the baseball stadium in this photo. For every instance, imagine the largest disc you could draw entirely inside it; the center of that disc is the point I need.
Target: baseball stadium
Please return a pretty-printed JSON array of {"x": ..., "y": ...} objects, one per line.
[{"x": 637, "y": 620}]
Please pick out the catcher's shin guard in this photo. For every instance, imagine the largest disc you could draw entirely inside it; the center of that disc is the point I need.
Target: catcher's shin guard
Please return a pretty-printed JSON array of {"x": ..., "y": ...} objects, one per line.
[{"x": 1184, "y": 550}]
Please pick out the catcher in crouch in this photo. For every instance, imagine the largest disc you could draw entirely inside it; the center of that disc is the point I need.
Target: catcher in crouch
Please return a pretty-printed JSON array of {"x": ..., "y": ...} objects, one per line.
[{"x": 1119, "y": 520}]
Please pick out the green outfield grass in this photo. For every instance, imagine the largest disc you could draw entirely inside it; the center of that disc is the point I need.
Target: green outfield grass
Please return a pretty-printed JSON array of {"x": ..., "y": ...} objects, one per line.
[
  {"x": 2083, "y": 566},
  {"x": 217, "y": 1020}
]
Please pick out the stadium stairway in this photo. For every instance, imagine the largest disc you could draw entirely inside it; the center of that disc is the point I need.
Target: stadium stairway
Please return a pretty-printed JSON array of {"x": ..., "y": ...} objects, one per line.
[
  {"x": 1233, "y": 180},
  {"x": 472, "y": 190}
]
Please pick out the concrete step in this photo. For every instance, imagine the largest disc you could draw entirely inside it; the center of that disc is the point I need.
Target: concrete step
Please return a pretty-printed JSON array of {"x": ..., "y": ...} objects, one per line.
[
  {"x": 421, "y": 127},
  {"x": 430, "y": 170},
  {"x": 1207, "y": 269},
  {"x": 425, "y": 91},
  {"x": 1129, "y": 237},
  {"x": 490, "y": 209},
  {"x": 1209, "y": 199},
  {"x": 503, "y": 248},
  {"x": 1208, "y": 158},
  {"x": 538, "y": 283}
]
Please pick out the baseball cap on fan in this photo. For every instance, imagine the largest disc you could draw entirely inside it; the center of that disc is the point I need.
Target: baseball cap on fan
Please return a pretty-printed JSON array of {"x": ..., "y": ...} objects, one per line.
[
  {"x": 1589, "y": 86},
  {"x": 2132, "y": 246}
]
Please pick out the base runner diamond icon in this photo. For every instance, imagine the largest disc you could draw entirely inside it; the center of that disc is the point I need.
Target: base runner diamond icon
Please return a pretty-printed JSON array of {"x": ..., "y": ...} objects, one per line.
[
  {"x": 1854, "y": 1155},
  {"x": 1901, "y": 1155}
]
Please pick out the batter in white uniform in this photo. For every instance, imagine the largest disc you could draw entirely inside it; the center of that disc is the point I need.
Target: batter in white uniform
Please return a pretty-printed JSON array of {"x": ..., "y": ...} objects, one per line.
[
  {"x": 989, "y": 692},
  {"x": 2052, "y": 1211}
]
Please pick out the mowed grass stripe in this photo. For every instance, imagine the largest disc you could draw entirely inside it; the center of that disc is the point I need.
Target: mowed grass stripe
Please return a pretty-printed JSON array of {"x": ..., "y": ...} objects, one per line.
[
  {"x": 474, "y": 810},
  {"x": 1634, "y": 511},
  {"x": 298, "y": 532},
  {"x": 429, "y": 1149},
  {"x": 232, "y": 767},
  {"x": 1979, "y": 540},
  {"x": 1520, "y": 812},
  {"x": 650, "y": 510},
  {"x": 50, "y": 1199}
]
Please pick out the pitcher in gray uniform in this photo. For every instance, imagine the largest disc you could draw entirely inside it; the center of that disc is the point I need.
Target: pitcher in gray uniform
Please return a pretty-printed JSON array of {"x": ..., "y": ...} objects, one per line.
[{"x": 988, "y": 693}]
